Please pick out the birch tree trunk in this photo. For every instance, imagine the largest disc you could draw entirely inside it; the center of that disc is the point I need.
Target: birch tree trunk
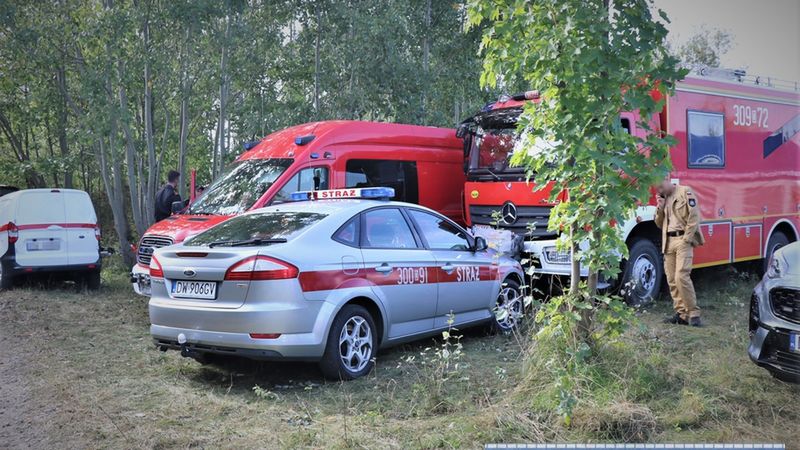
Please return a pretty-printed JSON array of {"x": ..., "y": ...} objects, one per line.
[{"x": 149, "y": 138}]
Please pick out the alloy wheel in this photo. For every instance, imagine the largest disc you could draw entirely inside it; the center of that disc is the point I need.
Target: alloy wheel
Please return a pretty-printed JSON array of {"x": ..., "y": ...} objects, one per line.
[
  {"x": 355, "y": 344},
  {"x": 509, "y": 308}
]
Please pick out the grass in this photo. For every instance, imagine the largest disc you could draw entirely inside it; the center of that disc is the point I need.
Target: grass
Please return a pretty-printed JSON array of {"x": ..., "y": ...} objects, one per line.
[{"x": 84, "y": 373}]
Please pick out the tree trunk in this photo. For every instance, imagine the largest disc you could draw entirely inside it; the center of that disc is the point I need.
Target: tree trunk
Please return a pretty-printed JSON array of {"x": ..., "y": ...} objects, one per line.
[
  {"x": 219, "y": 160},
  {"x": 184, "y": 114},
  {"x": 61, "y": 79},
  {"x": 149, "y": 138},
  {"x": 318, "y": 12},
  {"x": 426, "y": 51}
]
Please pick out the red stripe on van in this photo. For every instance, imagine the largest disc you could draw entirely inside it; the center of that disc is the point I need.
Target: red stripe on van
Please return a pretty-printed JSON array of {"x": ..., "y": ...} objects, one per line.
[{"x": 40, "y": 226}]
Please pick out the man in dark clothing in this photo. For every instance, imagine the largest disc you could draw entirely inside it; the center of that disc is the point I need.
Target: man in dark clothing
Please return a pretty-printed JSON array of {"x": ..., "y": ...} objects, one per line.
[{"x": 167, "y": 195}]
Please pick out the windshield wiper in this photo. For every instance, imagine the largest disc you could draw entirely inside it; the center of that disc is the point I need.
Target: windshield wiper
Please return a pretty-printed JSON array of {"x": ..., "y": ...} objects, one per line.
[
  {"x": 246, "y": 242},
  {"x": 496, "y": 177}
]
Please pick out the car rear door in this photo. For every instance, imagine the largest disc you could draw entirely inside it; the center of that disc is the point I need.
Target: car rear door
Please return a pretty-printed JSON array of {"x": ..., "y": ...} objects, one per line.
[
  {"x": 81, "y": 220},
  {"x": 401, "y": 271},
  {"x": 41, "y": 222},
  {"x": 467, "y": 281}
]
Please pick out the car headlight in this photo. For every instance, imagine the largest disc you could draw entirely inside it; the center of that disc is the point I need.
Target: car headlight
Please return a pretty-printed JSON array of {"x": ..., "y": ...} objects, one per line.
[{"x": 775, "y": 268}]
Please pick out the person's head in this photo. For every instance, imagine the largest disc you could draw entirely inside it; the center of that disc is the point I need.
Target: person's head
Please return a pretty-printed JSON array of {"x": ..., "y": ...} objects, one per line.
[
  {"x": 173, "y": 176},
  {"x": 199, "y": 191},
  {"x": 665, "y": 188}
]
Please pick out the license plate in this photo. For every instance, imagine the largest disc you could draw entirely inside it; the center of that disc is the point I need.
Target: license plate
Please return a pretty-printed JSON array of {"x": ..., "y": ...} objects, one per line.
[
  {"x": 43, "y": 245},
  {"x": 794, "y": 342},
  {"x": 195, "y": 289}
]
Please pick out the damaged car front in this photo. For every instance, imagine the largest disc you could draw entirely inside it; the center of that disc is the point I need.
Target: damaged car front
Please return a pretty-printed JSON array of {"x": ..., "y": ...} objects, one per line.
[{"x": 775, "y": 316}]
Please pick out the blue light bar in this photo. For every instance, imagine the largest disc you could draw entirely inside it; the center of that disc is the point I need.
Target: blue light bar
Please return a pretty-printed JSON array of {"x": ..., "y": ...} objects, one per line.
[{"x": 374, "y": 193}]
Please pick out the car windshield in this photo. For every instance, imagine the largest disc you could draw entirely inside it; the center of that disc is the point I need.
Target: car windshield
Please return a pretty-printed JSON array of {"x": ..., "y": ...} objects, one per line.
[
  {"x": 266, "y": 227},
  {"x": 240, "y": 187}
]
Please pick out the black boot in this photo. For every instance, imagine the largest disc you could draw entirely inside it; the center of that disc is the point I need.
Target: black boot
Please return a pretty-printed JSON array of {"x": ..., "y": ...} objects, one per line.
[
  {"x": 676, "y": 320},
  {"x": 695, "y": 322}
]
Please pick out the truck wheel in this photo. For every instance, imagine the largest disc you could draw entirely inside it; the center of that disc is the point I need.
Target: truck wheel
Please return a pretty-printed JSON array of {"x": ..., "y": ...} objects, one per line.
[
  {"x": 509, "y": 308},
  {"x": 6, "y": 280},
  {"x": 93, "y": 280},
  {"x": 643, "y": 273},
  {"x": 352, "y": 343},
  {"x": 776, "y": 241}
]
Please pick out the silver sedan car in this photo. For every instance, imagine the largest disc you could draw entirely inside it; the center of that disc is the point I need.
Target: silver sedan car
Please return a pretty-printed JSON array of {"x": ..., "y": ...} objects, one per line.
[{"x": 330, "y": 280}]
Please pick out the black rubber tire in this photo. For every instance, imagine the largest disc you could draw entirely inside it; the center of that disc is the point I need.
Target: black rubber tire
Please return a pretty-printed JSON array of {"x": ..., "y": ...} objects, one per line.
[
  {"x": 494, "y": 326},
  {"x": 331, "y": 363},
  {"x": 642, "y": 248},
  {"x": 6, "y": 281},
  {"x": 776, "y": 241},
  {"x": 92, "y": 280}
]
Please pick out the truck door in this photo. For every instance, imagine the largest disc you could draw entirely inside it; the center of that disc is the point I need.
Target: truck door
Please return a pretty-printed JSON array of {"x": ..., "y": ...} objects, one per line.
[
  {"x": 42, "y": 234},
  {"x": 467, "y": 281}
]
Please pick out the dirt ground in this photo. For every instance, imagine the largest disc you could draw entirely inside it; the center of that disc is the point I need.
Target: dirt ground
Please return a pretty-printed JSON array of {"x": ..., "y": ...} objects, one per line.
[{"x": 78, "y": 370}]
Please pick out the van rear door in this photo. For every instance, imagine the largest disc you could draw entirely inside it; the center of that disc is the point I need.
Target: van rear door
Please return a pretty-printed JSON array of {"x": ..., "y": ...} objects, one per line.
[
  {"x": 42, "y": 235},
  {"x": 81, "y": 221}
]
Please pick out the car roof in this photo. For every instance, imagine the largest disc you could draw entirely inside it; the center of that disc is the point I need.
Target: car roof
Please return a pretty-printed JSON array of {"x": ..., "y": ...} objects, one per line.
[
  {"x": 20, "y": 193},
  {"x": 333, "y": 207}
]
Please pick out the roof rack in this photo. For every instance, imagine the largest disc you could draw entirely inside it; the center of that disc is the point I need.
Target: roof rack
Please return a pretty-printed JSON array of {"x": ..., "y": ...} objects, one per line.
[{"x": 741, "y": 76}]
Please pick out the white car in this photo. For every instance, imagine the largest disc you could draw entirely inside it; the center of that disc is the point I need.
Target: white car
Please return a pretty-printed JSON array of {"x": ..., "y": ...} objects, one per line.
[{"x": 49, "y": 230}]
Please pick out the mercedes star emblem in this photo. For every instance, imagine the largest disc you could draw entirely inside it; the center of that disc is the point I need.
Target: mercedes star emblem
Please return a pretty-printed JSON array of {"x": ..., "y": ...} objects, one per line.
[{"x": 509, "y": 213}]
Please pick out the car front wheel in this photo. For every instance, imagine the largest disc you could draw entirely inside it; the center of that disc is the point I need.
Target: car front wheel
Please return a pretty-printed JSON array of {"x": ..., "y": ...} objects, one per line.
[
  {"x": 352, "y": 343},
  {"x": 509, "y": 307}
]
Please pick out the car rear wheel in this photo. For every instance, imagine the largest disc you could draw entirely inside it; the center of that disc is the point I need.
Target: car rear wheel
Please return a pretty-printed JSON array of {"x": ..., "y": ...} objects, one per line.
[
  {"x": 6, "y": 281},
  {"x": 509, "y": 307},
  {"x": 643, "y": 273},
  {"x": 352, "y": 342},
  {"x": 92, "y": 280}
]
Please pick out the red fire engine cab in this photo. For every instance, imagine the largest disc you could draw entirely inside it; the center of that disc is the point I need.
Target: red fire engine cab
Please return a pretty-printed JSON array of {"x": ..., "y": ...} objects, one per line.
[
  {"x": 738, "y": 148},
  {"x": 422, "y": 164}
]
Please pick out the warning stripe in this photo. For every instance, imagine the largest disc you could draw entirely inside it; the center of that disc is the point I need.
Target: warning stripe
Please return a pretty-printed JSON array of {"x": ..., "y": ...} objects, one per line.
[
  {"x": 326, "y": 280},
  {"x": 41, "y": 226}
]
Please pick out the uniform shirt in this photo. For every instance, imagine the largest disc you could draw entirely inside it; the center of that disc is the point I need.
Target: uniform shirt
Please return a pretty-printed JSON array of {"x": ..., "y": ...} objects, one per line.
[{"x": 681, "y": 212}]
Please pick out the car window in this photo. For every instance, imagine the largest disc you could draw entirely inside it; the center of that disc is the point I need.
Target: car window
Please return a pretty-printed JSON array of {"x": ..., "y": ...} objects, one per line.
[
  {"x": 266, "y": 225},
  {"x": 309, "y": 179},
  {"x": 387, "y": 228},
  {"x": 399, "y": 175},
  {"x": 348, "y": 233},
  {"x": 439, "y": 233},
  {"x": 41, "y": 207}
]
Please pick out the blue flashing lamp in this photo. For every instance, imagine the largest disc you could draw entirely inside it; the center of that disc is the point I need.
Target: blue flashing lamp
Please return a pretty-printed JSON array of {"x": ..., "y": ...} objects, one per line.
[{"x": 377, "y": 192}]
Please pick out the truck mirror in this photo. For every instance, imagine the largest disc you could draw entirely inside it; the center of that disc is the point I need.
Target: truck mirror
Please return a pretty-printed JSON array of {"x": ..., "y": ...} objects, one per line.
[
  {"x": 480, "y": 244},
  {"x": 177, "y": 207}
]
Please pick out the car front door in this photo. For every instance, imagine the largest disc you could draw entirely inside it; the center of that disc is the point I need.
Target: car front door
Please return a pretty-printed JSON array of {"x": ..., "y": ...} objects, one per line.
[
  {"x": 467, "y": 280},
  {"x": 400, "y": 269}
]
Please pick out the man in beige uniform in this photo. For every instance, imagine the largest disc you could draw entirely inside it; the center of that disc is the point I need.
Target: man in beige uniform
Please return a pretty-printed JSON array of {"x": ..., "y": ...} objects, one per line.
[{"x": 678, "y": 216}]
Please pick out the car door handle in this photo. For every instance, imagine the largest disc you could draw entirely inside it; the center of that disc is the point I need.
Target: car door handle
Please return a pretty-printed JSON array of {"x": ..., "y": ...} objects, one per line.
[
  {"x": 448, "y": 267},
  {"x": 384, "y": 268}
]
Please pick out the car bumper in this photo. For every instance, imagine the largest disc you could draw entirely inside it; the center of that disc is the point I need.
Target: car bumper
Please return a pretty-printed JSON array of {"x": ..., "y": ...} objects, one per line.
[
  {"x": 548, "y": 261},
  {"x": 140, "y": 280},
  {"x": 769, "y": 342},
  {"x": 11, "y": 267},
  {"x": 303, "y": 330}
]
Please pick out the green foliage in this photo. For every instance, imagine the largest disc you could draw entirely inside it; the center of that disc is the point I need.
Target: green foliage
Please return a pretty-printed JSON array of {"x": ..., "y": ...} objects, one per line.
[
  {"x": 590, "y": 61},
  {"x": 705, "y": 47}
]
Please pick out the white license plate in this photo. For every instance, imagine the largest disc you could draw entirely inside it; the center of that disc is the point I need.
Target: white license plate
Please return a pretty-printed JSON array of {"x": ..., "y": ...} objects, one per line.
[
  {"x": 794, "y": 342},
  {"x": 43, "y": 245},
  {"x": 195, "y": 289}
]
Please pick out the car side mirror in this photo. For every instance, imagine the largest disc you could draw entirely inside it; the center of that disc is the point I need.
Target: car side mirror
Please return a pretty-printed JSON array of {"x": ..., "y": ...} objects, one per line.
[
  {"x": 177, "y": 207},
  {"x": 480, "y": 244}
]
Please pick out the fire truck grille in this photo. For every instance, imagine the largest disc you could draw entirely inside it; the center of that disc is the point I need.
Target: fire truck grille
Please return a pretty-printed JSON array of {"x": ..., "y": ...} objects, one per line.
[
  {"x": 148, "y": 245},
  {"x": 531, "y": 221},
  {"x": 785, "y": 303}
]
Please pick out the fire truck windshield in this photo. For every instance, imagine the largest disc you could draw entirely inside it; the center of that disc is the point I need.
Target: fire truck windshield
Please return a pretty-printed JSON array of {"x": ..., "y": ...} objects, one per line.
[
  {"x": 240, "y": 187},
  {"x": 492, "y": 150}
]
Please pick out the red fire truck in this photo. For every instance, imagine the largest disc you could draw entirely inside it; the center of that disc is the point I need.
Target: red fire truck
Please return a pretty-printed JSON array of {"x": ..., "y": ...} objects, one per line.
[
  {"x": 424, "y": 165},
  {"x": 738, "y": 148}
]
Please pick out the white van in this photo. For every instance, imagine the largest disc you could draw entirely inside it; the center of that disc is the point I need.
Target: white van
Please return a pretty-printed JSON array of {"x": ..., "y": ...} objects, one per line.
[{"x": 49, "y": 230}]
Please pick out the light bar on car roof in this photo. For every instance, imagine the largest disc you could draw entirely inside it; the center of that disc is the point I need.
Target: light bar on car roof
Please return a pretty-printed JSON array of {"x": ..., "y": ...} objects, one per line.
[{"x": 333, "y": 194}]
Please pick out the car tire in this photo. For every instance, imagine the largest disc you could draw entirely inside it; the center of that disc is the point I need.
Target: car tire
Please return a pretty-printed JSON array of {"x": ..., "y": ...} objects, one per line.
[
  {"x": 643, "y": 273},
  {"x": 353, "y": 338},
  {"x": 776, "y": 241},
  {"x": 6, "y": 279},
  {"x": 92, "y": 280},
  {"x": 509, "y": 308}
]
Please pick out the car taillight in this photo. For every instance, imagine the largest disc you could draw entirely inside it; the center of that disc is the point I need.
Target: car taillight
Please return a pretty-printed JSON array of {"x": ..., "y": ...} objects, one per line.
[
  {"x": 265, "y": 335},
  {"x": 156, "y": 271},
  {"x": 97, "y": 232},
  {"x": 261, "y": 268},
  {"x": 13, "y": 233}
]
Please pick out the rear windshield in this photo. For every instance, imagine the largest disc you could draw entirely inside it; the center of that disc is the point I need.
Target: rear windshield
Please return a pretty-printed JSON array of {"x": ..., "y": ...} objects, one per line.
[
  {"x": 238, "y": 189},
  {"x": 266, "y": 225}
]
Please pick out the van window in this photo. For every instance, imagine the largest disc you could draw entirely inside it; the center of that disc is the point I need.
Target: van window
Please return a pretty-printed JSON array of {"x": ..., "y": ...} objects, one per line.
[
  {"x": 400, "y": 175},
  {"x": 705, "y": 139},
  {"x": 79, "y": 208},
  {"x": 240, "y": 187},
  {"x": 310, "y": 179},
  {"x": 40, "y": 208}
]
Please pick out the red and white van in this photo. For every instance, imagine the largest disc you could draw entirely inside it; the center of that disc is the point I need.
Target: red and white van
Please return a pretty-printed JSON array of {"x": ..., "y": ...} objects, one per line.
[
  {"x": 49, "y": 230},
  {"x": 424, "y": 165},
  {"x": 738, "y": 149}
]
